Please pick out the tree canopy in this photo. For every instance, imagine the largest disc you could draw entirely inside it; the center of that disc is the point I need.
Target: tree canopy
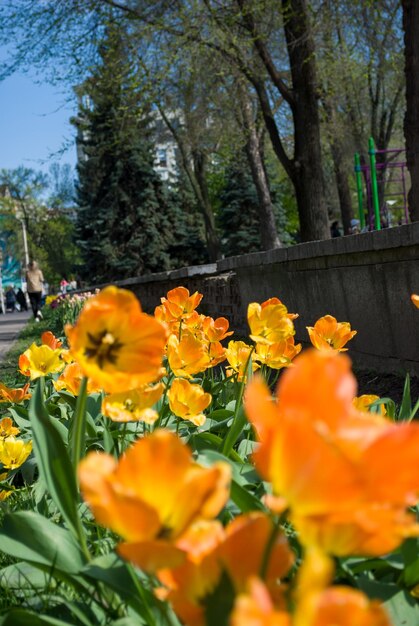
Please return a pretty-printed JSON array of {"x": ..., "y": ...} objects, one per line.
[{"x": 302, "y": 83}]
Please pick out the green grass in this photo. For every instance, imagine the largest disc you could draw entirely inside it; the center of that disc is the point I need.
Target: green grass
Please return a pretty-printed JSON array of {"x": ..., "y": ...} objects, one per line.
[{"x": 9, "y": 373}]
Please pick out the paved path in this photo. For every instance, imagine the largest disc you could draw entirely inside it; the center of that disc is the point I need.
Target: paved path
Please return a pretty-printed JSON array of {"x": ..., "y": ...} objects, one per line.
[{"x": 10, "y": 326}]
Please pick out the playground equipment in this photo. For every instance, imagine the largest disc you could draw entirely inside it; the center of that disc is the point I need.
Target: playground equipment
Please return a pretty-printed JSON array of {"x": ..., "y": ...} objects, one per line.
[{"x": 375, "y": 182}]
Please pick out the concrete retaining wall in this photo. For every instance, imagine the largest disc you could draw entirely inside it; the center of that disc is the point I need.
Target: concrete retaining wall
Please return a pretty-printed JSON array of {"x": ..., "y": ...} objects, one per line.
[{"x": 364, "y": 279}]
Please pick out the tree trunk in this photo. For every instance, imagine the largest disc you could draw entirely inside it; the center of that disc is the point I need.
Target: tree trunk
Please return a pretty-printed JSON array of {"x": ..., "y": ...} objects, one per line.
[
  {"x": 339, "y": 165},
  {"x": 307, "y": 176},
  {"x": 411, "y": 120},
  {"x": 342, "y": 184},
  {"x": 195, "y": 171},
  {"x": 267, "y": 225},
  {"x": 199, "y": 167}
]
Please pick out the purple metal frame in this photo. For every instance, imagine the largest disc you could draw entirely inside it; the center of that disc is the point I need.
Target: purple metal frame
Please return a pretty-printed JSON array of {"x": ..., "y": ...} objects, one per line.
[{"x": 382, "y": 168}]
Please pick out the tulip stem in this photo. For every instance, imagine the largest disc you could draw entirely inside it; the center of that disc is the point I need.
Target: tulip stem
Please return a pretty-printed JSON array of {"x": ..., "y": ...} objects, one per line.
[
  {"x": 150, "y": 619},
  {"x": 163, "y": 402},
  {"x": 238, "y": 418},
  {"x": 268, "y": 550},
  {"x": 78, "y": 435}
]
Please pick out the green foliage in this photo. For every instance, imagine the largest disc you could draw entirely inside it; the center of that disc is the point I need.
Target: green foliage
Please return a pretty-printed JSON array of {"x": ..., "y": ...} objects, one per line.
[
  {"x": 129, "y": 222},
  {"x": 238, "y": 215},
  {"x": 49, "y": 231},
  {"x": 238, "y": 212},
  {"x": 58, "y": 567}
]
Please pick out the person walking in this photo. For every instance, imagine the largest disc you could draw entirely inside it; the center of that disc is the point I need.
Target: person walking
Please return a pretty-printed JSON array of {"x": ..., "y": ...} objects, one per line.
[
  {"x": 34, "y": 280},
  {"x": 20, "y": 297}
]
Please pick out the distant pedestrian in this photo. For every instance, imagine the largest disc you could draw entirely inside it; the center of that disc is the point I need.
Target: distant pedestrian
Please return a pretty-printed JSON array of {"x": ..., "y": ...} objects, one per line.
[
  {"x": 34, "y": 280},
  {"x": 21, "y": 300},
  {"x": 355, "y": 229},
  {"x": 10, "y": 299},
  {"x": 334, "y": 229},
  {"x": 64, "y": 284}
]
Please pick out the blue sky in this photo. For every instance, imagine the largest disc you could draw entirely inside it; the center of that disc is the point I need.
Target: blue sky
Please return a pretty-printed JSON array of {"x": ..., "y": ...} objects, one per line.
[{"x": 34, "y": 124}]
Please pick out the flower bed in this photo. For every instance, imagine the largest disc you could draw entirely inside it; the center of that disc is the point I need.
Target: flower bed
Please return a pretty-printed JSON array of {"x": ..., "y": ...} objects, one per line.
[{"x": 150, "y": 476}]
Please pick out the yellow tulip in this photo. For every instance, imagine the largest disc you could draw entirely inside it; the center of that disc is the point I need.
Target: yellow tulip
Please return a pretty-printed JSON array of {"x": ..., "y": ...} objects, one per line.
[
  {"x": 14, "y": 452},
  {"x": 133, "y": 406},
  {"x": 188, "y": 401},
  {"x": 39, "y": 361}
]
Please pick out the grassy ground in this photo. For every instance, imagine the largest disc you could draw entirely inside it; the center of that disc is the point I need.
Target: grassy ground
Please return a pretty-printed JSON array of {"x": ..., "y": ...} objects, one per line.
[{"x": 9, "y": 374}]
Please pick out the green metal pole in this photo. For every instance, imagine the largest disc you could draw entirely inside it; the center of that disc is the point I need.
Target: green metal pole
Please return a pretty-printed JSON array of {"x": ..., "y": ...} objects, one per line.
[
  {"x": 359, "y": 189},
  {"x": 374, "y": 186}
]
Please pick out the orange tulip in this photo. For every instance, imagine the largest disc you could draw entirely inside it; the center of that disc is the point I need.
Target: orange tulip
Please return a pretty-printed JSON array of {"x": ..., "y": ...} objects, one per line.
[
  {"x": 216, "y": 353},
  {"x": 70, "y": 380},
  {"x": 255, "y": 608},
  {"x": 332, "y": 464},
  {"x": 133, "y": 406},
  {"x": 243, "y": 550},
  {"x": 237, "y": 550},
  {"x": 115, "y": 343},
  {"x": 49, "y": 339},
  {"x": 7, "y": 429},
  {"x": 188, "y": 401},
  {"x": 193, "y": 324},
  {"x": 363, "y": 403},
  {"x": 24, "y": 364},
  {"x": 187, "y": 356},
  {"x": 341, "y": 606},
  {"x": 269, "y": 322},
  {"x": 153, "y": 512},
  {"x": 329, "y": 334},
  {"x": 187, "y": 586},
  {"x": 14, "y": 395},
  {"x": 216, "y": 330},
  {"x": 179, "y": 304},
  {"x": 277, "y": 355},
  {"x": 415, "y": 300},
  {"x": 317, "y": 604},
  {"x": 67, "y": 357}
]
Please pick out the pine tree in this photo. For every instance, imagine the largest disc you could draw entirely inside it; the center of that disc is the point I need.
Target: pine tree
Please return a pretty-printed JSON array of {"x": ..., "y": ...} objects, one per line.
[
  {"x": 124, "y": 222},
  {"x": 238, "y": 213}
]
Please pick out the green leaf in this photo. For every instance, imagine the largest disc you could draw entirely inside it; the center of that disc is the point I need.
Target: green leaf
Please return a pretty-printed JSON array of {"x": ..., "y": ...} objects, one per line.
[
  {"x": 235, "y": 430},
  {"x": 410, "y": 552},
  {"x": 20, "y": 416},
  {"x": 240, "y": 495},
  {"x": 24, "y": 576},
  {"x": 219, "y": 604},
  {"x": 220, "y": 414},
  {"x": 94, "y": 405},
  {"x": 402, "y": 608},
  {"x": 215, "y": 442},
  {"x": 108, "y": 441},
  {"x": 406, "y": 405},
  {"x": 22, "y": 617},
  {"x": 245, "y": 500},
  {"x": 54, "y": 463},
  {"x": 118, "y": 576},
  {"x": 31, "y": 537},
  {"x": 246, "y": 448},
  {"x": 388, "y": 403},
  {"x": 411, "y": 574},
  {"x": 128, "y": 621}
]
